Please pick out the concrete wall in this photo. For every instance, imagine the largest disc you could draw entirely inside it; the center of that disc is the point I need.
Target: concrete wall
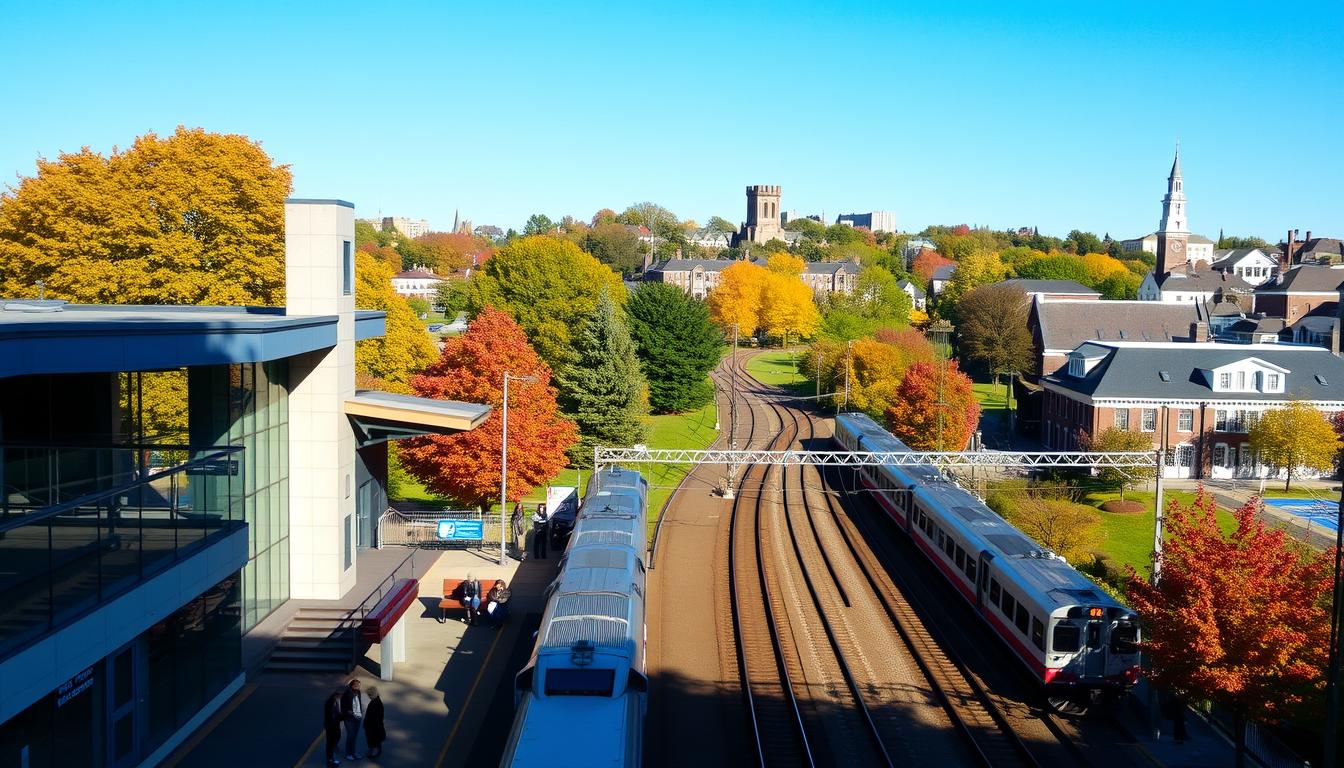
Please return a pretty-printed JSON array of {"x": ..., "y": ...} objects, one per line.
[{"x": 321, "y": 440}]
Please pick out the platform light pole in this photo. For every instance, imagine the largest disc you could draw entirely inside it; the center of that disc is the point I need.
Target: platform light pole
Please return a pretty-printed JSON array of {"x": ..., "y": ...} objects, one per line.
[
  {"x": 728, "y": 491},
  {"x": 504, "y": 465}
]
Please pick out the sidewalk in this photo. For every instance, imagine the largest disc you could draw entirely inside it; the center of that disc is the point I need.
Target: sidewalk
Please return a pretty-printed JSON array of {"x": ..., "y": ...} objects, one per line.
[
  {"x": 1205, "y": 747},
  {"x": 451, "y": 703}
]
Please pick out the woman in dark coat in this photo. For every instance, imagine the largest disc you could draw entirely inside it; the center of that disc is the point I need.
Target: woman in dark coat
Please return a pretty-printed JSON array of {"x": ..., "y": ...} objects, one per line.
[
  {"x": 374, "y": 732},
  {"x": 331, "y": 724}
]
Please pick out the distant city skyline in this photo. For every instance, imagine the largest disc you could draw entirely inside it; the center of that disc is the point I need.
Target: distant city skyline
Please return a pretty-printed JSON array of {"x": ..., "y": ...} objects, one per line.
[{"x": 1053, "y": 116}]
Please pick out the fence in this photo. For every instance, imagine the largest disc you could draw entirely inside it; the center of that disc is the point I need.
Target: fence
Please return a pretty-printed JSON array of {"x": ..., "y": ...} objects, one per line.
[{"x": 421, "y": 529}]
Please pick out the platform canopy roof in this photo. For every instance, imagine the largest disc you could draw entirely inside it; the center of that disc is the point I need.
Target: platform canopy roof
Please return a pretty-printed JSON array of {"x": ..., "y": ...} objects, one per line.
[{"x": 382, "y": 416}]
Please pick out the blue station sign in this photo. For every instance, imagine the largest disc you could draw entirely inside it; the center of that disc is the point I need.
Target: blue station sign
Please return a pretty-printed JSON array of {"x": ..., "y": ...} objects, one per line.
[{"x": 461, "y": 530}]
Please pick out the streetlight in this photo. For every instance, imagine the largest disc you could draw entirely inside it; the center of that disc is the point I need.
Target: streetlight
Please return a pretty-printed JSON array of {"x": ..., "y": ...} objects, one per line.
[{"x": 504, "y": 464}]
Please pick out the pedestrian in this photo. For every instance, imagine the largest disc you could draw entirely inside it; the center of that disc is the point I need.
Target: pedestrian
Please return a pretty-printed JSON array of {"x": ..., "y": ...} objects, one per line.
[
  {"x": 471, "y": 598},
  {"x": 374, "y": 732},
  {"x": 1178, "y": 731},
  {"x": 519, "y": 549},
  {"x": 352, "y": 711},
  {"x": 540, "y": 530},
  {"x": 497, "y": 605},
  {"x": 331, "y": 724}
]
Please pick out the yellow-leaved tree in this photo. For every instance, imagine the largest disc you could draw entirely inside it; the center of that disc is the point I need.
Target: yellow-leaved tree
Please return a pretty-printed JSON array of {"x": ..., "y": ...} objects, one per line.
[
  {"x": 1295, "y": 437},
  {"x": 788, "y": 309},
  {"x": 737, "y": 298},
  {"x": 406, "y": 348},
  {"x": 785, "y": 264},
  {"x": 194, "y": 218}
]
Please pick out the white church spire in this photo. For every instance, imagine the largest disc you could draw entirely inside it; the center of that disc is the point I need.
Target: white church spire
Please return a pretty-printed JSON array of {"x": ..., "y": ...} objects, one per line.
[{"x": 1174, "y": 214}]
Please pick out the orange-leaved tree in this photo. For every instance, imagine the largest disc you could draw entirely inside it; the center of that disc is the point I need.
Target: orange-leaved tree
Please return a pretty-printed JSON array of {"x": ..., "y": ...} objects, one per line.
[
  {"x": 466, "y": 465},
  {"x": 926, "y": 263},
  {"x": 1240, "y": 619},
  {"x": 935, "y": 408},
  {"x": 737, "y": 298}
]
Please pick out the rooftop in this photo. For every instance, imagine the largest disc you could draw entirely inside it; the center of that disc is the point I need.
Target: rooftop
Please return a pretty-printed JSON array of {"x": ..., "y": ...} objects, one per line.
[
  {"x": 1052, "y": 286},
  {"x": 1306, "y": 279},
  {"x": 1066, "y": 323}
]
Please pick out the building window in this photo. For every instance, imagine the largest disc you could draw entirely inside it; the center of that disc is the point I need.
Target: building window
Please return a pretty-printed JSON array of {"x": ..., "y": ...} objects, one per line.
[
  {"x": 1122, "y": 418},
  {"x": 1185, "y": 455},
  {"x": 1225, "y": 380},
  {"x": 1241, "y": 381},
  {"x": 1149, "y": 419},
  {"x": 1220, "y": 421},
  {"x": 1220, "y": 455},
  {"x": 1273, "y": 382},
  {"x": 1076, "y": 368},
  {"x": 1185, "y": 420},
  {"x": 347, "y": 268}
]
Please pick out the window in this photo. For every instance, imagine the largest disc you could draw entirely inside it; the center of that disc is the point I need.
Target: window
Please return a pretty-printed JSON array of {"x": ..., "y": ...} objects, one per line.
[
  {"x": 1021, "y": 618},
  {"x": 1225, "y": 380},
  {"x": 1185, "y": 420},
  {"x": 949, "y": 546},
  {"x": 1241, "y": 381},
  {"x": 1122, "y": 418},
  {"x": 1125, "y": 638},
  {"x": 1008, "y": 604},
  {"x": 959, "y": 557},
  {"x": 580, "y": 682},
  {"x": 1037, "y": 633},
  {"x": 347, "y": 268},
  {"x": 1185, "y": 455},
  {"x": 1076, "y": 367},
  {"x": 1220, "y": 421},
  {"x": 1273, "y": 385},
  {"x": 993, "y": 590},
  {"x": 1149, "y": 419},
  {"x": 970, "y": 568},
  {"x": 1067, "y": 639}
]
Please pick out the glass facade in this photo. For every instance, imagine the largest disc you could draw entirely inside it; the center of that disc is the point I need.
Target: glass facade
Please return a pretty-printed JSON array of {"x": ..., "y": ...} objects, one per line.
[
  {"x": 248, "y": 405},
  {"x": 122, "y": 708}
]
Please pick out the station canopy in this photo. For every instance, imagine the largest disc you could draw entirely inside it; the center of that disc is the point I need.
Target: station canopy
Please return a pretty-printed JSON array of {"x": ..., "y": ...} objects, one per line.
[{"x": 381, "y": 416}]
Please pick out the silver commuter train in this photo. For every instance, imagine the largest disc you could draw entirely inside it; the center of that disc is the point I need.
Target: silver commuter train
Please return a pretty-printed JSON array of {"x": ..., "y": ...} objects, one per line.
[
  {"x": 586, "y": 674},
  {"x": 1073, "y": 637}
]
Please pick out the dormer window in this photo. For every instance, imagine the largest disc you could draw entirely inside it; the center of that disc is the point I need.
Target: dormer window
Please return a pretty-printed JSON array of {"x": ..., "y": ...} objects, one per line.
[
  {"x": 1077, "y": 368},
  {"x": 1225, "y": 380}
]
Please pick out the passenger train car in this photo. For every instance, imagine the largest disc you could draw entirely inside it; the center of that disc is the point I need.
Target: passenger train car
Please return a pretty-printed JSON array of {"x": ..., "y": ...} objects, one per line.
[
  {"x": 1073, "y": 637},
  {"x": 582, "y": 697}
]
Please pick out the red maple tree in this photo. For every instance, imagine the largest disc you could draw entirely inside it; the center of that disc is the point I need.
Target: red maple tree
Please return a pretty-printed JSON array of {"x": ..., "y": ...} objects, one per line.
[
  {"x": 466, "y": 465},
  {"x": 1241, "y": 619},
  {"x": 927, "y": 262},
  {"x": 935, "y": 407}
]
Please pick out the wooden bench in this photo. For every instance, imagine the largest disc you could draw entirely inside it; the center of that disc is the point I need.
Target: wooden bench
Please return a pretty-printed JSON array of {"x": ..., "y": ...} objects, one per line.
[
  {"x": 452, "y": 595},
  {"x": 378, "y": 622}
]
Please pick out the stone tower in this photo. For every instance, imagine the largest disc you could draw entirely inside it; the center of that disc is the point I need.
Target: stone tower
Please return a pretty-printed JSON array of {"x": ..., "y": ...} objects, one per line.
[
  {"x": 1173, "y": 235},
  {"x": 762, "y": 213}
]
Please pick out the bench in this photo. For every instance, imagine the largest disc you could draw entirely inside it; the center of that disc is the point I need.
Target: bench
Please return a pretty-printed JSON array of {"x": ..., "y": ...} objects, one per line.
[
  {"x": 452, "y": 595},
  {"x": 379, "y": 621}
]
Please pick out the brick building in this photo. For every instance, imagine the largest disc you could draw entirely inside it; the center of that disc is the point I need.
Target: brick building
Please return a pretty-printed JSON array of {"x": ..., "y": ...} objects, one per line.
[
  {"x": 1197, "y": 400},
  {"x": 1299, "y": 291},
  {"x": 1059, "y": 326}
]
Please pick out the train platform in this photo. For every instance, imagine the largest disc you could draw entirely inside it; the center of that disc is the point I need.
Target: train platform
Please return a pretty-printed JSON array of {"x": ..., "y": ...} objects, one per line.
[{"x": 450, "y": 704}]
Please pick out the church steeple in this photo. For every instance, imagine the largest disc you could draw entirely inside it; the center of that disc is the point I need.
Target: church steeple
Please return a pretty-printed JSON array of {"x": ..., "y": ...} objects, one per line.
[{"x": 1174, "y": 218}]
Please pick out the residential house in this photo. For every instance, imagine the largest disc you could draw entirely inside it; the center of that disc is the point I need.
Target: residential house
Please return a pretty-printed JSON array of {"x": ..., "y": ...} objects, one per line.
[
  {"x": 1198, "y": 401},
  {"x": 1191, "y": 283},
  {"x": 1253, "y": 265},
  {"x": 941, "y": 277},
  {"x": 420, "y": 282},
  {"x": 1296, "y": 292},
  {"x": 917, "y": 296}
]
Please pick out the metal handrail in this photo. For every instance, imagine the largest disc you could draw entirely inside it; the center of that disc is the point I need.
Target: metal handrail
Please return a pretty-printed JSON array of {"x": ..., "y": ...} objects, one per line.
[
  {"x": 362, "y": 609},
  {"x": 75, "y": 503}
]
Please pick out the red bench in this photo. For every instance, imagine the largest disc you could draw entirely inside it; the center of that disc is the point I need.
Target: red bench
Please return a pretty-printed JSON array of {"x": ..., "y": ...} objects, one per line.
[
  {"x": 378, "y": 622},
  {"x": 452, "y": 595}
]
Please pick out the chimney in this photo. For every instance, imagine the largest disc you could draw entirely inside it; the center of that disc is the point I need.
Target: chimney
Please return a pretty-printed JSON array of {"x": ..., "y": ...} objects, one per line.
[
  {"x": 1199, "y": 331},
  {"x": 1307, "y": 239},
  {"x": 1334, "y": 337}
]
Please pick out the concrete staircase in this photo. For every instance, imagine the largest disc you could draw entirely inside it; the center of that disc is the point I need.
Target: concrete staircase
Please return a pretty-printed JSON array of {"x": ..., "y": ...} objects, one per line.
[{"x": 316, "y": 640}]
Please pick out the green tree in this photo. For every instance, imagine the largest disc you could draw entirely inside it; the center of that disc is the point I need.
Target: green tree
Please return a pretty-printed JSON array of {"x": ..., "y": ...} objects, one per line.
[
  {"x": 406, "y": 348},
  {"x": 677, "y": 344},
  {"x": 1232, "y": 241},
  {"x": 195, "y": 218},
  {"x": 720, "y": 224},
  {"x": 614, "y": 245},
  {"x": 878, "y": 296},
  {"x": 992, "y": 326},
  {"x": 538, "y": 224},
  {"x": 1084, "y": 242},
  {"x": 1116, "y": 439},
  {"x": 1059, "y": 266},
  {"x": 975, "y": 268},
  {"x": 549, "y": 286},
  {"x": 602, "y": 389},
  {"x": 1294, "y": 437}
]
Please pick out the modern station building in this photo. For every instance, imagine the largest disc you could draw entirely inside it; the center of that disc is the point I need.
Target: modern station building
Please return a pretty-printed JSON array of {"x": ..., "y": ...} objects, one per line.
[{"x": 169, "y": 477}]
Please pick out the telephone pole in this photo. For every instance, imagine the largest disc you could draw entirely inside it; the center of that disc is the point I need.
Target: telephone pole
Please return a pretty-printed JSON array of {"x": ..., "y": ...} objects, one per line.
[
  {"x": 849, "y": 350},
  {"x": 732, "y": 417}
]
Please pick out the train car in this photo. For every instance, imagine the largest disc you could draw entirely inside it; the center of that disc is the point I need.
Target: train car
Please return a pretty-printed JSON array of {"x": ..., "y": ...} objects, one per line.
[
  {"x": 582, "y": 696},
  {"x": 1069, "y": 634}
]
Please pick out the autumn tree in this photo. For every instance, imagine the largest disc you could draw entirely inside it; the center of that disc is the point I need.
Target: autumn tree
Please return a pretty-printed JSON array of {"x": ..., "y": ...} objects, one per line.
[
  {"x": 736, "y": 301},
  {"x": 614, "y": 245},
  {"x": 678, "y": 345},
  {"x": 466, "y": 465},
  {"x": 1239, "y": 619},
  {"x": 788, "y": 307},
  {"x": 1295, "y": 437},
  {"x": 1118, "y": 440},
  {"x": 443, "y": 252},
  {"x": 602, "y": 388},
  {"x": 195, "y": 218},
  {"x": 925, "y": 263},
  {"x": 992, "y": 326},
  {"x": 1064, "y": 527},
  {"x": 550, "y": 287},
  {"x": 405, "y": 348},
  {"x": 935, "y": 408},
  {"x": 785, "y": 264},
  {"x": 977, "y": 267}
]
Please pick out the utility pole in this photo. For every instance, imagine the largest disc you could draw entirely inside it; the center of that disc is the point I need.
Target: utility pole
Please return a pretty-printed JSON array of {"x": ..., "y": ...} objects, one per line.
[
  {"x": 818, "y": 367},
  {"x": 938, "y": 402},
  {"x": 732, "y": 417},
  {"x": 1332, "y": 671},
  {"x": 849, "y": 351}
]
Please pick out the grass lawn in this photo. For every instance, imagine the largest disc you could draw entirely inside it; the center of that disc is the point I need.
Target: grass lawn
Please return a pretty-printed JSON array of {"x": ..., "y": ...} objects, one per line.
[
  {"x": 693, "y": 430},
  {"x": 1129, "y": 538},
  {"x": 778, "y": 367},
  {"x": 990, "y": 397}
]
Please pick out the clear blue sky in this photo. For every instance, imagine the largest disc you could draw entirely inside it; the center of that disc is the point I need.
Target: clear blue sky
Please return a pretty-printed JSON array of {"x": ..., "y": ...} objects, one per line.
[{"x": 1054, "y": 115}]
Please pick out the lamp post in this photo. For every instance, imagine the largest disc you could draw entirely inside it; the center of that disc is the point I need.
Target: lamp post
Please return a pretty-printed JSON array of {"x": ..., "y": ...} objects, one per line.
[{"x": 504, "y": 465}]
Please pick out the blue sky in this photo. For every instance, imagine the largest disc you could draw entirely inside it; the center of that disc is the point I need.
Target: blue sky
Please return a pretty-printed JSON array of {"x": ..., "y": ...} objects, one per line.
[{"x": 1054, "y": 115}]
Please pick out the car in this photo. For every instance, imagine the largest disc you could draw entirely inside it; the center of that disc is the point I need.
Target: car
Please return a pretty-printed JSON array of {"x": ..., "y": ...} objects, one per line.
[{"x": 435, "y": 327}]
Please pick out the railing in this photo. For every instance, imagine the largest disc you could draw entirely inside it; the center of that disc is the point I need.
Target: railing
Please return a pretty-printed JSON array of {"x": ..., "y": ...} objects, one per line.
[
  {"x": 104, "y": 530},
  {"x": 355, "y": 619},
  {"x": 420, "y": 529}
]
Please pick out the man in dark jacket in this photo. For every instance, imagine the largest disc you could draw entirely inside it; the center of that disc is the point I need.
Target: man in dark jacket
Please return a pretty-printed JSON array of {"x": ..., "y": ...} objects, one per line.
[
  {"x": 540, "y": 532},
  {"x": 331, "y": 725},
  {"x": 352, "y": 711}
]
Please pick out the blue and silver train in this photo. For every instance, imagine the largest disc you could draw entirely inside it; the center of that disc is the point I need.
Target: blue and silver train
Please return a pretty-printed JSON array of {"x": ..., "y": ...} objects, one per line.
[
  {"x": 582, "y": 697},
  {"x": 1071, "y": 636}
]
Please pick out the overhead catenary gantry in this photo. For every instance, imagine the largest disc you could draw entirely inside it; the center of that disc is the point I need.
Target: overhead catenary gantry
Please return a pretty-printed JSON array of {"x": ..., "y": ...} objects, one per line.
[{"x": 939, "y": 459}]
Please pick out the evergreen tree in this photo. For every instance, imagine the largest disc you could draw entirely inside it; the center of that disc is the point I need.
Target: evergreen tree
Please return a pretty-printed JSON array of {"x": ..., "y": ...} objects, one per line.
[
  {"x": 602, "y": 390},
  {"x": 677, "y": 344}
]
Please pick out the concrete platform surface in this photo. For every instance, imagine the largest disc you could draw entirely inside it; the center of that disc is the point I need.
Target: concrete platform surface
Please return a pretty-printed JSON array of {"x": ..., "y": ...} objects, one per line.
[{"x": 450, "y": 704}]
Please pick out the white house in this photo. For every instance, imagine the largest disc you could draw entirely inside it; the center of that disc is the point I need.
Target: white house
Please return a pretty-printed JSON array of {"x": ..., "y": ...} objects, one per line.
[
  {"x": 420, "y": 283},
  {"x": 1191, "y": 284},
  {"x": 1253, "y": 265}
]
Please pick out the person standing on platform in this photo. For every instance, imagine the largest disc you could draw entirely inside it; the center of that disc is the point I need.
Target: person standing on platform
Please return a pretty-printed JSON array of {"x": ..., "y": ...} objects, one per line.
[
  {"x": 540, "y": 532},
  {"x": 374, "y": 732},
  {"x": 352, "y": 709},
  {"x": 331, "y": 723},
  {"x": 519, "y": 546}
]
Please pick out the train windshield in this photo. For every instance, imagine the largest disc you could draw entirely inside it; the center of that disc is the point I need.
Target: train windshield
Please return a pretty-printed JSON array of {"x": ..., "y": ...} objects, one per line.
[
  {"x": 1125, "y": 638},
  {"x": 580, "y": 682},
  {"x": 1067, "y": 639}
]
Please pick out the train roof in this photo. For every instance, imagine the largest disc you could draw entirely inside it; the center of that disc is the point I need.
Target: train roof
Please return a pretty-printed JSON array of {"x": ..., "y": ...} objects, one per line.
[
  {"x": 617, "y": 478},
  {"x": 600, "y": 603},
  {"x": 874, "y": 438},
  {"x": 574, "y": 732}
]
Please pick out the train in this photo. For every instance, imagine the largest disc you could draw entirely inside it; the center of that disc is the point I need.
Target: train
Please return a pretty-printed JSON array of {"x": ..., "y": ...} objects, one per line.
[
  {"x": 582, "y": 697},
  {"x": 1078, "y": 642}
]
